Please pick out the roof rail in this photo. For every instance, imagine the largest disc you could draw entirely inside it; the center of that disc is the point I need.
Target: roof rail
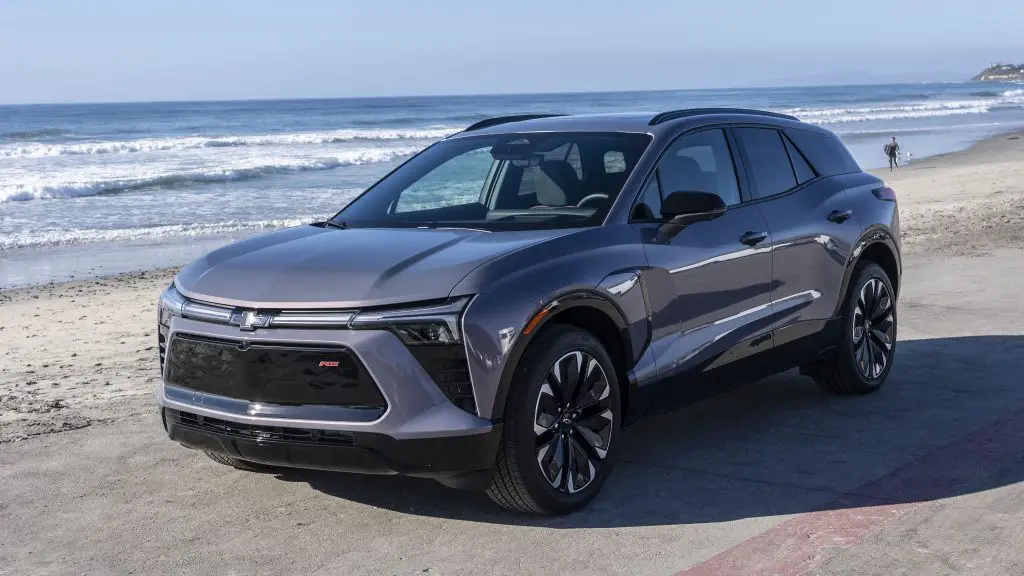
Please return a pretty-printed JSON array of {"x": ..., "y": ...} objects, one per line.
[
  {"x": 674, "y": 114},
  {"x": 505, "y": 120}
]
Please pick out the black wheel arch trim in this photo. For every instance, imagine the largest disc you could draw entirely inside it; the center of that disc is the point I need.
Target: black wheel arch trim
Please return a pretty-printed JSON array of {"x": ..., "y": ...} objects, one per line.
[
  {"x": 556, "y": 306},
  {"x": 874, "y": 235}
]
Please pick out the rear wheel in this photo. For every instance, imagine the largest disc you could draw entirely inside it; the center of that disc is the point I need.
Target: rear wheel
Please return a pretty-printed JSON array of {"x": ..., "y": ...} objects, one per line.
[
  {"x": 237, "y": 463},
  {"x": 868, "y": 342},
  {"x": 561, "y": 425}
]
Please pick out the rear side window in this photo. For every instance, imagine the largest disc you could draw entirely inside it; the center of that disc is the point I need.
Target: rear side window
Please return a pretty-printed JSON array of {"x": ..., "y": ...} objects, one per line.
[
  {"x": 826, "y": 153},
  {"x": 767, "y": 161},
  {"x": 803, "y": 170}
]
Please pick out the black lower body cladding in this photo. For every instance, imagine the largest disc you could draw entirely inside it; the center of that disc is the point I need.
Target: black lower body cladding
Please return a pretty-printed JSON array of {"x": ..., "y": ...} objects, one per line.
[{"x": 363, "y": 452}]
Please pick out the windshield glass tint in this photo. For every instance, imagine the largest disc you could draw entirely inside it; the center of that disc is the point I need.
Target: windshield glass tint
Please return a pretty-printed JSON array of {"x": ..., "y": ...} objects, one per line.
[{"x": 507, "y": 181}]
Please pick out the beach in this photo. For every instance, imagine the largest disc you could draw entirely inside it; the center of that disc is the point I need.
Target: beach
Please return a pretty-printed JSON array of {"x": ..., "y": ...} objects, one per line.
[
  {"x": 91, "y": 484},
  {"x": 83, "y": 352},
  {"x": 963, "y": 202}
]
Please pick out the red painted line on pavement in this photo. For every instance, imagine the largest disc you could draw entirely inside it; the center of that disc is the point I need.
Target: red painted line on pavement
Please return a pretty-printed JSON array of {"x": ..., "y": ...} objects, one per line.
[{"x": 806, "y": 541}]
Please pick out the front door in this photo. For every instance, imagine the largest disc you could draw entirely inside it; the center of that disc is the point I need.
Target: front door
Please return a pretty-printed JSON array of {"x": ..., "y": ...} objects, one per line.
[{"x": 709, "y": 284}]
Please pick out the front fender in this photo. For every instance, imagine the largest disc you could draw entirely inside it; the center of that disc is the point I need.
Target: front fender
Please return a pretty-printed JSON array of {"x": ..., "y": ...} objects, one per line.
[
  {"x": 597, "y": 267},
  {"x": 491, "y": 327},
  {"x": 496, "y": 335}
]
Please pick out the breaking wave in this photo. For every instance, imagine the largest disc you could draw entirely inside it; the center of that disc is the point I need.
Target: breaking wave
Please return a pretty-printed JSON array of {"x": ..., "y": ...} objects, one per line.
[
  {"x": 31, "y": 238},
  {"x": 41, "y": 150},
  {"x": 56, "y": 188},
  {"x": 1009, "y": 98}
]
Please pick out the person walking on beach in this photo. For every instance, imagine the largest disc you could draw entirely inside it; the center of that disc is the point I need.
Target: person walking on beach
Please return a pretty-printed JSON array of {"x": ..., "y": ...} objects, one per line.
[{"x": 891, "y": 150}]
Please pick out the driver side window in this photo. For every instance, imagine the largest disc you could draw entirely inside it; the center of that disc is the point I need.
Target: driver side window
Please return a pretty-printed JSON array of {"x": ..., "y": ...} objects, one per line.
[{"x": 700, "y": 162}]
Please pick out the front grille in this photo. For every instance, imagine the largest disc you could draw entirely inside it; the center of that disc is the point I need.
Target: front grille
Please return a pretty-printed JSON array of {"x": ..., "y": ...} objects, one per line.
[
  {"x": 447, "y": 366},
  {"x": 272, "y": 373},
  {"x": 260, "y": 433}
]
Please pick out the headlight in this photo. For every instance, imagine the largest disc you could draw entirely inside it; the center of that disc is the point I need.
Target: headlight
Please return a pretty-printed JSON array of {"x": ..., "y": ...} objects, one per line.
[
  {"x": 422, "y": 325},
  {"x": 171, "y": 303}
]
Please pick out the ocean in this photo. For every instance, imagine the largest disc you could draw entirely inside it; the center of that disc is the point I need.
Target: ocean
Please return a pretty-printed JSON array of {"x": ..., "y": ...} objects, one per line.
[{"x": 92, "y": 189}]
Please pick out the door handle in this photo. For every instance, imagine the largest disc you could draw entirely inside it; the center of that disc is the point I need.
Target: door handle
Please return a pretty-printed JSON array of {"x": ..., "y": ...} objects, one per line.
[
  {"x": 753, "y": 238},
  {"x": 840, "y": 216}
]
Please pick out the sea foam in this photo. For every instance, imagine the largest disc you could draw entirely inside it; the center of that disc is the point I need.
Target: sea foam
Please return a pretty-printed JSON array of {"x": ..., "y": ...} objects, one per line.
[
  {"x": 32, "y": 238},
  {"x": 908, "y": 110},
  {"x": 41, "y": 150},
  {"x": 71, "y": 186}
]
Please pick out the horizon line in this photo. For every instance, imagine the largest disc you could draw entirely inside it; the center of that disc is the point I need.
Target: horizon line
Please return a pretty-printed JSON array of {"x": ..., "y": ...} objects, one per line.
[{"x": 474, "y": 94}]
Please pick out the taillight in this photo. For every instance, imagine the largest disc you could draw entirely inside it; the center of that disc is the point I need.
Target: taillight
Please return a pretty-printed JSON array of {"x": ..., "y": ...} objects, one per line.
[{"x": 885, "y": 193}]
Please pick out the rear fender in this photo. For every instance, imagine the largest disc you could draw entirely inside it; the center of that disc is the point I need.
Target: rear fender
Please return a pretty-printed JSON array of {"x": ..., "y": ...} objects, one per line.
[{"x": 874, "y": 235}]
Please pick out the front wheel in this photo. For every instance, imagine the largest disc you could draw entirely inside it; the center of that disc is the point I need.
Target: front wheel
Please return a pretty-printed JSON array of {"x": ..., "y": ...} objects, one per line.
[
  {"x": 868, "y": 342},
  {"x": 561, "y": 425}
]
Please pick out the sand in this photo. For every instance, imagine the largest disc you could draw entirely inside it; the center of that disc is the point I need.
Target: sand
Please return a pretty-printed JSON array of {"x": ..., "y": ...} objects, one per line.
[
  {"x": 79, "y": 353},
  {"x": 963, "y": 203}
]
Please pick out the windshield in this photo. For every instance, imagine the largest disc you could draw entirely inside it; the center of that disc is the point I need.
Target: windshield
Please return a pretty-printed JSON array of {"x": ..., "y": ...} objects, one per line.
[{"x": 506, "y": 181}]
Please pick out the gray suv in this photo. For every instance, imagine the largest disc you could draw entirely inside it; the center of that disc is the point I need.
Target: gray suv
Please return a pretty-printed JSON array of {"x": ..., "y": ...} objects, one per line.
[{"x": 492, "y": 312}]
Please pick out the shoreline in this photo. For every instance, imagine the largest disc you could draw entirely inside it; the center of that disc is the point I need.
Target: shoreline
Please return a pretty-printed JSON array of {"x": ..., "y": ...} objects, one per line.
[
  {"x": 985, "y": 145},
  {"x": 120, "y": 189}
]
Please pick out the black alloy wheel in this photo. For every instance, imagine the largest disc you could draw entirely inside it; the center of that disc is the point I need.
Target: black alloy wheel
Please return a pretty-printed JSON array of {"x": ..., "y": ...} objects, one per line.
[
  {"x": 561, "y": 424},
  {"x": 873, "y": 328},
  {"x": 573, "y": 422},
  {"x": 867, "y": 342}
]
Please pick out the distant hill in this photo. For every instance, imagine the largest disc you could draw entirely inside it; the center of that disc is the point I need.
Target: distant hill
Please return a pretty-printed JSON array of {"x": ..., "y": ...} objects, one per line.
[{"x": 1003, "y": 72}]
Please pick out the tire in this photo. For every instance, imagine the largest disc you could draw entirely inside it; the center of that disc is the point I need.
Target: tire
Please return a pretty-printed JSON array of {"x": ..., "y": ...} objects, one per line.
[
  {"x": 866, "y": 352},
  {"x": 239, "y": 464},
  {"x": 544, "y": 421}
]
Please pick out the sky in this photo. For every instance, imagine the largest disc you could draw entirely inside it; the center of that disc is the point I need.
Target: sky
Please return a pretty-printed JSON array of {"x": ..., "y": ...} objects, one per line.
[{"x": 132, "y": 50}]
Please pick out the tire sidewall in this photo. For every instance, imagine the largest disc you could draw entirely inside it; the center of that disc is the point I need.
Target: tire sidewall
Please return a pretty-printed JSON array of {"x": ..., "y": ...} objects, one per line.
[
  {"x": 549, "y": 346},
  {"x": 864, "y": 272}
]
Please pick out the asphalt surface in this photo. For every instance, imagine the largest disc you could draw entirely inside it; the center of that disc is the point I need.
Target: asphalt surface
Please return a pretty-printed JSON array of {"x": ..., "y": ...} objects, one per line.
[{"x": 924, "y": 477}]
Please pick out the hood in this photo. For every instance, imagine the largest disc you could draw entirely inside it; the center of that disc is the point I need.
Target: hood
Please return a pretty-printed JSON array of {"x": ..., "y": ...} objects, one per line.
[{"x": 311, "y": 267}]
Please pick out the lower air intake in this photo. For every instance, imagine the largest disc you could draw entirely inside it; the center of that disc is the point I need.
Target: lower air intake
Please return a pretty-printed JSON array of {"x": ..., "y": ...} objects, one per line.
[
  {"x": 254, "y": 432},
  {"x": 447, "y": 366}
]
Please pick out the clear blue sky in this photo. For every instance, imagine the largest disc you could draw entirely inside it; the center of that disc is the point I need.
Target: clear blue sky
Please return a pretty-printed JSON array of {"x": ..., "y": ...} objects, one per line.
[{"x": 114, "y": 50}]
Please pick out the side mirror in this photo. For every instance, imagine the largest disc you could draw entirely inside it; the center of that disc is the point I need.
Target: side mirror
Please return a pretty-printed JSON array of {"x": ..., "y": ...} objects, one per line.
[{"x": 688, "y": 207}]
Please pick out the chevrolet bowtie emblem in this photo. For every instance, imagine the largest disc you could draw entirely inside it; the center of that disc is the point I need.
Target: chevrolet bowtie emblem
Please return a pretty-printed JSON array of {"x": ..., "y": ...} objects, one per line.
[{"x": 249, "y": 321}]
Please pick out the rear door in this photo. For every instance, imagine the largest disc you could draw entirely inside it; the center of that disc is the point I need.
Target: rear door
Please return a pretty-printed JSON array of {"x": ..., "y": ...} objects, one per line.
[
  {"x": 709, "y": 283},
  {"x": 812, "y": 227}
]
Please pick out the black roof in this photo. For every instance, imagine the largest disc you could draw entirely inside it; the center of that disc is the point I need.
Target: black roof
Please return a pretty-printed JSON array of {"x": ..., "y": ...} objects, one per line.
[
  {"x": 691, "y": 112},
  {"x": 637, "y": 122}
]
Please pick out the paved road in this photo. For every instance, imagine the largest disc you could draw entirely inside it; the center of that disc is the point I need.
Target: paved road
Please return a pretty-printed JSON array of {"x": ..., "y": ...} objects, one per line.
[{"x": 924, "y": 477}]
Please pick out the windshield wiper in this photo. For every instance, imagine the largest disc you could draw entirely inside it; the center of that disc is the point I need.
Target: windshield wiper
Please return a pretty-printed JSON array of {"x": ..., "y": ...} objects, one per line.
[
  {"x": 331, "y": 224},
  {"x": 434, "y": 225}
]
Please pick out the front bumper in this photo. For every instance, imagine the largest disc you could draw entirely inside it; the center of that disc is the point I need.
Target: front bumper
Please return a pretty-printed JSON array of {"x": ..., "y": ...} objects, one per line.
[
  {"x": 443, "y": 458},
  {"x": 420, "y": 432}
]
